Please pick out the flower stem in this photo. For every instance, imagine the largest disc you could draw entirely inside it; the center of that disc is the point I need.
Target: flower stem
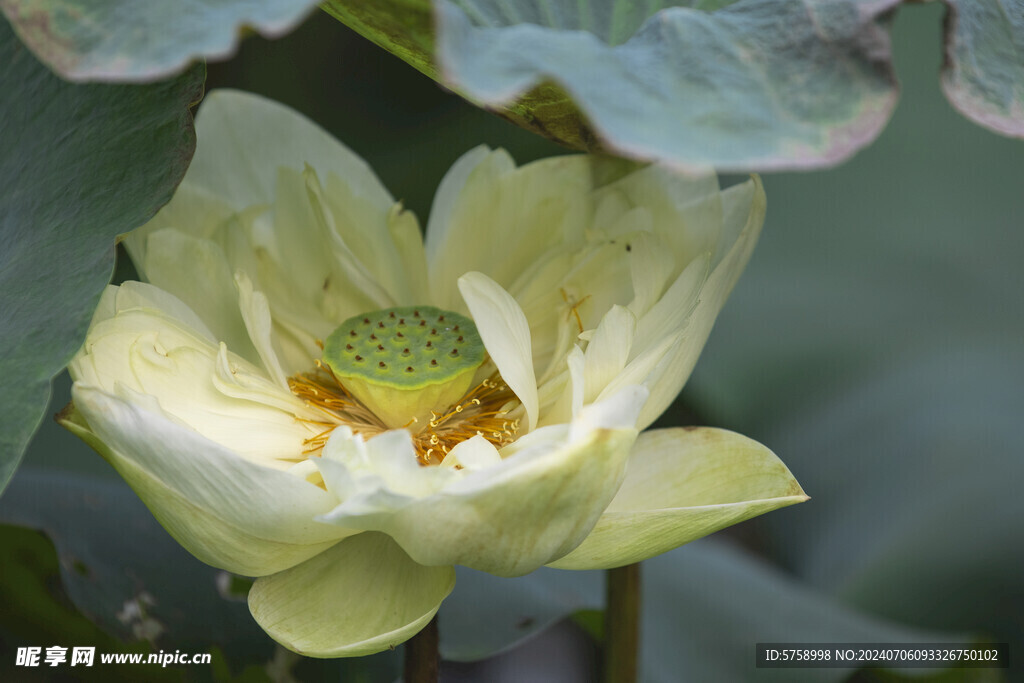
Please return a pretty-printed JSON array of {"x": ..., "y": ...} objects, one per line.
[
  {"x": 622, "y": 624},
  {"x": 421, "y": 658}
]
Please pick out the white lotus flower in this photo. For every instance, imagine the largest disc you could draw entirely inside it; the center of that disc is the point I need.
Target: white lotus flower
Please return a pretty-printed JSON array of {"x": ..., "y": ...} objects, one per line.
[{"x": 480, "y": 394}]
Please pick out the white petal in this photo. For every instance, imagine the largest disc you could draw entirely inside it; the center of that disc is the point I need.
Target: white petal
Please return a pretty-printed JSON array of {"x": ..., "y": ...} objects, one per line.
[
  {"x": 642, "y": 368},
  {"x": 140, "y": 295},
  {"x": 192, "y": 210},
  {"x": 393, "y": 457},
  {"x": 526, "y": 211},
  {"x": 651, "y": 268},
  {"x": 568, "y": 404},
  {"x": 667, "y": 317},
  {"x": 507, "y": 519},
  {"x": 608, "y": 350},
  {"x": 243, "y": 138},
  {"x": 441, "y": 224},
  {"x": 196, "y": 271},
  {"x": 682, "y": 484},
  {"x": 506, "y": 335},
  {"x": 407, "y": 239},
  {"x": 259, "y": 324},
  {"x": 621, "y": 411},
  {"x": 228, "y": 512},
  {"x": 472, "y": 454},
  {"x": 686, "y": 210},
  {"x": 201, "y": 384},
  {"x": 305, "y": 272},
  {"x": 359, "y": 271},
  {"x": 674, "y": 369},
  {"x": 381, "y": 472}
]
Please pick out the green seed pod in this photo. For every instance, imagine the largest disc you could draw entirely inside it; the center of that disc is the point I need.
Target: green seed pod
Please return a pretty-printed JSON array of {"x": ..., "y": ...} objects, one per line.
[{"x": 405, "y": 362}]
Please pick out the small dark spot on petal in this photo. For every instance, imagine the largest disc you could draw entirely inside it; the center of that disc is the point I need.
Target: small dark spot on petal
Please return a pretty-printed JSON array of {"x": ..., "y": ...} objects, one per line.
[
  {"x": 408, "y": 368},
  {"x": 380, "y": 347},
  {"x": 366, "y": 321},
  {"x": 629, "y": 247},
  {"x": 359, "y": 359},
  {"x": 433, "y": 363},
  {"x": 382, "y": 364}
]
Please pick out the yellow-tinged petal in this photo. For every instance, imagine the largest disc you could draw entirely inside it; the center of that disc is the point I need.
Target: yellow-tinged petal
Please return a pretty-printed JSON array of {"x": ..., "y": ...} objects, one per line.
[
  {"x": 362, "y": 596},
  {"x": 259, "y": 324},
  {"x": 243, "y": 139},
  {"x": 681, "y": 484},
  {"x": 203, "y": 281},
  {"x": 491, "y": 216},
  {"x": 193, "y": 210},
  {"x": 506, "y": 334},
  {"x": 604, "y": 285},
  {"x": 685, "y": 211},
  {"x": 608, "y": 351},
  {"x": 743, "y": 208},
  {"x": 141, "y": 340},
  {"x": 132, "y": 295},
  {"x": 227, "y": 511},
  {"x": 510, "y": 518},
  {"x": 320, "y": 244}
]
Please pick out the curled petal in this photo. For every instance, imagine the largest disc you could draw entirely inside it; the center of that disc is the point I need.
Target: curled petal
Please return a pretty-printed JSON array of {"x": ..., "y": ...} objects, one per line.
[
  {"x": 227, "y": 511},
  {"x": 146, "y": 340},
  {"x": 534, "y": 506}
]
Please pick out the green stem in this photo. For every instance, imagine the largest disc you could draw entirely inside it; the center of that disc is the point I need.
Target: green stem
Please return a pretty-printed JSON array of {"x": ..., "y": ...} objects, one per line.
[
  {"x": 422, "y": 662},
  {"x": 622, "y": 624}
]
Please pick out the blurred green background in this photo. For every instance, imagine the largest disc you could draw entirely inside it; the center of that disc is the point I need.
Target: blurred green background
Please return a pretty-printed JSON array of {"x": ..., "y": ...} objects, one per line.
[{"x": 876, "y": 343}]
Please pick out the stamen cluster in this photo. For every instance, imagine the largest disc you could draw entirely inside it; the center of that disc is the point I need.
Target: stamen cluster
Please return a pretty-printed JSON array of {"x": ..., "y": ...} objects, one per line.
[{"x": 482, "y": 411}]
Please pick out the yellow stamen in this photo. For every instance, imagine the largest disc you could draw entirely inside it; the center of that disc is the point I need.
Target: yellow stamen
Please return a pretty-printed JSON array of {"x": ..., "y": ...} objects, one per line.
[
  {"x": 574, "y": 307},
  {"x": 480, "y": 412}
]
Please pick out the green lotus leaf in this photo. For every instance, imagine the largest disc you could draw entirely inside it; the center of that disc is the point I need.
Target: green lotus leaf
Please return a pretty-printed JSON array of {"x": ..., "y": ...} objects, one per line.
[
  {"x": 705, "y": 605},
  {"x": 121, "y": 40},
  {"x": 81, "y": 164},
  {"x": 984, "y": 73},
  {"x": 763, "y": 84}
]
